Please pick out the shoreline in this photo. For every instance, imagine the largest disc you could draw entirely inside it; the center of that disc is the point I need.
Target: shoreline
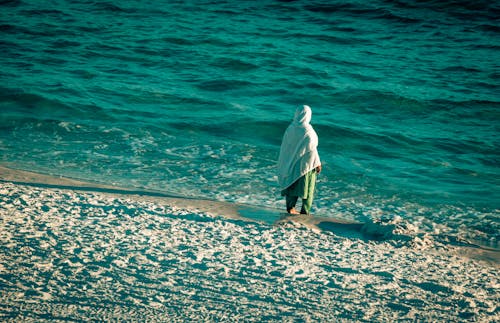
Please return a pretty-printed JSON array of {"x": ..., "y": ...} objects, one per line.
[{"x": 248, "y": 213}]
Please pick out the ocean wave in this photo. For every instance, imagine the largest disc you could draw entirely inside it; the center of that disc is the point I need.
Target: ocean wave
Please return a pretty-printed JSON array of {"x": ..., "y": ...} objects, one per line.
[
  {"x": 485, "y": 46},
  {"x": 113, "y": 8},
  {"x": 331, "y": 39},
  {"x": 460, "y": 69},
  {"x": 223, "y": 85},
  {"x": 11, "y": 3},
  {"x": 32, "y": 105},
  {"x": 7, "y": 27},
  {"x": 463, "y": 7},
  {"x": 12, "y": 29},
  {"x": 463, "y": 109},
  {"x": 490, "y": 28},
  {"x": 11, "y": 48},
  {"x": 367, "y": 12},
  {"x": 44, "y": 12},
  {"x": 179, "y": 41},
  {"x": 65, "y": 43},
  {"x": 38, "y": 29},
  {"x": 234, "y": 64},
  {"x": 333, "y": 8}
]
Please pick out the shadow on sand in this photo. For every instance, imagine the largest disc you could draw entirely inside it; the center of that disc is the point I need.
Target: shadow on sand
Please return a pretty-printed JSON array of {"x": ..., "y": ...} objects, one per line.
[{"x": 339, "y": 227}]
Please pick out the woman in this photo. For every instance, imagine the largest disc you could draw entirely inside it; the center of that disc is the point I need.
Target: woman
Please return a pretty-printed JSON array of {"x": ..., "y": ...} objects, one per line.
[{"x": 299, "y": 162}]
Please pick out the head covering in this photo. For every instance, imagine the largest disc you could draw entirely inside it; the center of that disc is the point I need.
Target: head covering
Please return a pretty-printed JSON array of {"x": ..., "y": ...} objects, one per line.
[{"x": 298, "y": 152}]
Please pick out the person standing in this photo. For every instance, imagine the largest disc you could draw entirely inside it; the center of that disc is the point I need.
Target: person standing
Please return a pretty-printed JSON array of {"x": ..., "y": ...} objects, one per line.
[{"x": 299, "y": 162}]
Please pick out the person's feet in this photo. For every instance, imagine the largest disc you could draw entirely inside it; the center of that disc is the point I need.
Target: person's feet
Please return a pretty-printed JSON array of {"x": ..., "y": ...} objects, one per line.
[{"x": 293, "y": 211}]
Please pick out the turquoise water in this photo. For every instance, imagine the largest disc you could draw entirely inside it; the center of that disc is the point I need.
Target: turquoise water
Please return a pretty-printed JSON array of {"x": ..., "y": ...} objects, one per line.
[{"x": 193, "y": 98}]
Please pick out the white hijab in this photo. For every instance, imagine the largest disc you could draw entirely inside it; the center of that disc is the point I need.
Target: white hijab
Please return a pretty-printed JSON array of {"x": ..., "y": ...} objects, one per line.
[{"x": 298, "y": 153}]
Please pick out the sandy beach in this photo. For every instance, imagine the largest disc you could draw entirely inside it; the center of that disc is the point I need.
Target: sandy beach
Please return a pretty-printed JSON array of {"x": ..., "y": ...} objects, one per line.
[
  {"x": 141, "y": 161},
  {"x": 86, "y": 254}
]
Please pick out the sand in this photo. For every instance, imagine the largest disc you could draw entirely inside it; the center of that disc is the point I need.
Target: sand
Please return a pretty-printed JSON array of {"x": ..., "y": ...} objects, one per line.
[{"x": 82, "y": 251}]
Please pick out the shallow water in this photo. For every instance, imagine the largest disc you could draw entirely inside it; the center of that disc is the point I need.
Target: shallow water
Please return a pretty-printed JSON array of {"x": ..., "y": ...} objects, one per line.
[{"x": 193, "y": 98}]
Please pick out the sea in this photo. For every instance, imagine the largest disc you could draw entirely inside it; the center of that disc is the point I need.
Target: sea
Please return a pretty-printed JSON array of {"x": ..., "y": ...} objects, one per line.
[{"x": 192, "y": 98}]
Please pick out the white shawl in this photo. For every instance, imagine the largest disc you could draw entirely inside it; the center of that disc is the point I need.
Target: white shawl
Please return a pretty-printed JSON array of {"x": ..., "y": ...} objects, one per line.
[{"x": 298, "y": 153}]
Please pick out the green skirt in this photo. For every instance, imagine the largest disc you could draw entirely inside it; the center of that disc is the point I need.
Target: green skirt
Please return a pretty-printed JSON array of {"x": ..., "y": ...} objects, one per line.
[{"x": 303, "y": 187}]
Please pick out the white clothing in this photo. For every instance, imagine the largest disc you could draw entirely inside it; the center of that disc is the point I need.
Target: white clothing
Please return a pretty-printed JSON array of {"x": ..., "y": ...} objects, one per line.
[{"x": 298, "y": 153}]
